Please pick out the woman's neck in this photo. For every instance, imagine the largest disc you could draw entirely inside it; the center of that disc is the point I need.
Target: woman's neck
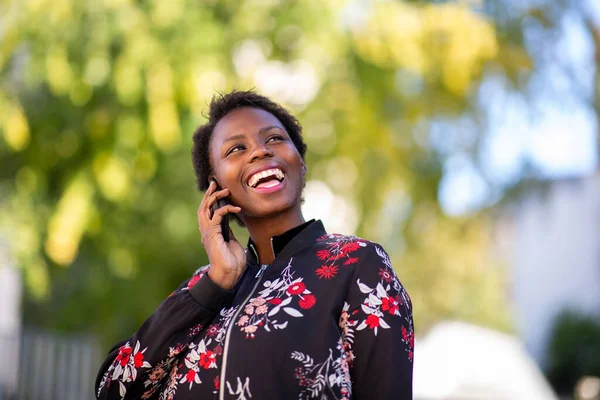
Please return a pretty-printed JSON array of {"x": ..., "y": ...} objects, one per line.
[{"x": 263, "y": 229}]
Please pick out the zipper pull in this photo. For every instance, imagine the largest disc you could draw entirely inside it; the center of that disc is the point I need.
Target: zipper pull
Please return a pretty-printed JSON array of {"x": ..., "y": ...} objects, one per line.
[{"x": 261, "y": 270}]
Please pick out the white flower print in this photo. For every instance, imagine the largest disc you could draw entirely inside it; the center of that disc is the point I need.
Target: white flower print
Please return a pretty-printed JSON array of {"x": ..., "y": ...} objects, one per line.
[
  {"x": 372, "y": 307},
  {"x": 347, "y": 325},
  {"x": 328, "y": 379},
  {"x": 281, "y": 294},
  {"x": 125, "y": 367},
  {"x": 384, "y": 301},
  {"x": 169, "y": 391},
  {"x": 198, "y": 357},
  {"x": 242, "y": 390}
]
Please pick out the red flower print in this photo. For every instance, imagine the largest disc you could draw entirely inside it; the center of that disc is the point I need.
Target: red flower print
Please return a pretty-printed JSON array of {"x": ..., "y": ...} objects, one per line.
[
  {"x": 389, "y": 304},
  {"x": 194, "y": 330},
  {"x": 212, "y": 330},
  {"x": 385, "y": 275},
  {"x": 404, "y": 334},
  {"x": 351, "y": 260},
  {"x": 120, "y": 355},
  {"x": 323, "y": 254},
  {"x": 410, "y": 355},
  {"x": 296, "y": 288},
  {"x": 190, "y": 375},
  {"x": 373, "y": 321},
  {"x": 307, "y": 301},
  {"x": 193, "y": 281},
  {"x": 218, "y": 350},
  {"x": 177, "y": 349},
  {"x": 138, "y": 359},
  {"x": 327, "y": 271},
  {"x": 124, "y": 354},
  {"x": 398, "y": 299},
  {"x": 206, "y": 359},
  {"x": 276, "y": 301},
  {"x": 217, "y": 382},
  {"x": 350, "y": 247}
]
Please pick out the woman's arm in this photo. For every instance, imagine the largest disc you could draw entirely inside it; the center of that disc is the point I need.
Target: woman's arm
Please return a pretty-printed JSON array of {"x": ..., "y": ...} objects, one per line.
[
  {"x": 136, "y": 368},
  {"x": 377, "y": 328}
]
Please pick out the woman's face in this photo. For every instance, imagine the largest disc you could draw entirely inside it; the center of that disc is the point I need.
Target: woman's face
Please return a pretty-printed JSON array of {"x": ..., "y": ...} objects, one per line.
[{"x": 247, "y": 144}]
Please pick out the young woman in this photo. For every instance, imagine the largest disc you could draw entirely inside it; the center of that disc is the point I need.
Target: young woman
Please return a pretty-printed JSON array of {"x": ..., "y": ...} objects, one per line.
[{"x": 298, "y": 314}]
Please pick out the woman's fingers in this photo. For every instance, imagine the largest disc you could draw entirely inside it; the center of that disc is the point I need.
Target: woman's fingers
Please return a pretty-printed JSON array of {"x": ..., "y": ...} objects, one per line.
[
  {"x": 212, "y": 199},
  {"x": 209, "y": 191},
  {"x": 228, "y": 259},
  {"x": 207, "y": 220},
  {"x": 215, "y": 196},
  {"x": 210, "y": 226},
  {"x": 219, "y": 213},
  {"x": 209, "y": 200},
  {"x": 212, "y": 186}
]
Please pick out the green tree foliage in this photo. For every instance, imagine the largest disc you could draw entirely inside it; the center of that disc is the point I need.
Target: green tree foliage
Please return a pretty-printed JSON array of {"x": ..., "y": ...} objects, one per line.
[
  {"x": 573, "y": 350},
  {"x": 98, "y": 101}
]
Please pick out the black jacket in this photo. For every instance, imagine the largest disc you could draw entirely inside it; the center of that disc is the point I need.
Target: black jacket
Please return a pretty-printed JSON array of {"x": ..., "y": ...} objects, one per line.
[{"x": 328, "y": 319}]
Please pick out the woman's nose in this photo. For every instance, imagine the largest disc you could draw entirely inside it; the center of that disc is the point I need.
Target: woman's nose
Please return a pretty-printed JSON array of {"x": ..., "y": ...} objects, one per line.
[{"x": 260, "y": 151}]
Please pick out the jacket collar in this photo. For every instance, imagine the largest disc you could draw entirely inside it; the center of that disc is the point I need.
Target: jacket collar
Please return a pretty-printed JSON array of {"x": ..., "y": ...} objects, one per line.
[{"x": 305, "y": 237}]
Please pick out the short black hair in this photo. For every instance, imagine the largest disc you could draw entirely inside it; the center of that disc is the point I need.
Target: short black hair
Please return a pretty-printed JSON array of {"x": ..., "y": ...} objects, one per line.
[{"x": 223, "y": 104}]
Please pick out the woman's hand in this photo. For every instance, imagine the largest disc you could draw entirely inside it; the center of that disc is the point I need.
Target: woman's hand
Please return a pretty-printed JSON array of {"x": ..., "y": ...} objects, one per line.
[{"x": 227, "y": 259}]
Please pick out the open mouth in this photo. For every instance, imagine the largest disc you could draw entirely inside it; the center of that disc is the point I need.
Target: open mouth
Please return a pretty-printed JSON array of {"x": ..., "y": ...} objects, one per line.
[{"x": 266, "y": 179}]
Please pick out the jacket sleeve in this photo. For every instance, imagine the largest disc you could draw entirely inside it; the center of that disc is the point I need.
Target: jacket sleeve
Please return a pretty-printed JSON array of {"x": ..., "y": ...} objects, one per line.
[
  {"x": 377, "y": 330},
  {"x": 137, "y": 368}
]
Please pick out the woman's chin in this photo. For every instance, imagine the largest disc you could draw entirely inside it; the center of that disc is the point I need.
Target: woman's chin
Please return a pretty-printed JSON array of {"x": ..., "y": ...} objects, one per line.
[
  {"x": 270, "y": 202},
  {"x": 269, "y": 209}
]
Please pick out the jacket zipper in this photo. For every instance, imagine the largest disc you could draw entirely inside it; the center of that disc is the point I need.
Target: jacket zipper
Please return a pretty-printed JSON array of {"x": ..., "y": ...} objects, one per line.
[{"x": 228, "y": 334}]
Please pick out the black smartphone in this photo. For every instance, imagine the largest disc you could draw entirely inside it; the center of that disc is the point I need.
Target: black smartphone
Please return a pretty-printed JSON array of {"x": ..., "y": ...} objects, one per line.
[{"x": 225, "y": 220}]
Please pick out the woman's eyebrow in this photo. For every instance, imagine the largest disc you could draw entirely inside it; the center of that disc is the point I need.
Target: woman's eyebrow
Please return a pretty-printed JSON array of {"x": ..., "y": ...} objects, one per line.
[
  {"x": 268, "y": 128},
  {"x": 234, "y": 137},
  {"x": 242, "y": 136}
]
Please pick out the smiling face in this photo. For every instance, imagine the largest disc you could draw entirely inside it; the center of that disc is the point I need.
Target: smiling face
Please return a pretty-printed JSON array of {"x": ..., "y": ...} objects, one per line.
[{"x": 252, "y": 154}]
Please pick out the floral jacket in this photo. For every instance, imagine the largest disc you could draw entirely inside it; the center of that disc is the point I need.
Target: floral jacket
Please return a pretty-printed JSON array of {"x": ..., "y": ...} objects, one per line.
[{"x": 328, "y": 319}]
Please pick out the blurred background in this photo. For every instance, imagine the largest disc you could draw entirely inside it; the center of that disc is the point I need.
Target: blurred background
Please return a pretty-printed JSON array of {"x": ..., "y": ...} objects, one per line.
[{"x": 461, "y": 135}]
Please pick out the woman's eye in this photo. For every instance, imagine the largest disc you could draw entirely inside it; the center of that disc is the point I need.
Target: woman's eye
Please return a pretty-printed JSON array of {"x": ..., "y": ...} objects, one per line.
[
  {"x": 276, "y": 138},
  {"x": 235, "y": 149}
]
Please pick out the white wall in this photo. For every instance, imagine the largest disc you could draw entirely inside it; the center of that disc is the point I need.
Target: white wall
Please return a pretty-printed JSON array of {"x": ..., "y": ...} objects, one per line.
[{"x": 552, "y": 245}]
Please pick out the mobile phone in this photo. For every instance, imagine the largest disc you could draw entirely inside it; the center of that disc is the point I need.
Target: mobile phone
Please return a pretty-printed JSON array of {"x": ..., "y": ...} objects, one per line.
[{"x": 225, "y": 220}]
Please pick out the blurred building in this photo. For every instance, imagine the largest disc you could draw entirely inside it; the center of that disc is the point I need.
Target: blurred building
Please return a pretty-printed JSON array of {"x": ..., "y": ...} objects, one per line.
[
  {"x": 550, "y": 240},
  {"x": 37, "y": 364},
  {"x": 10, "y": 324}
]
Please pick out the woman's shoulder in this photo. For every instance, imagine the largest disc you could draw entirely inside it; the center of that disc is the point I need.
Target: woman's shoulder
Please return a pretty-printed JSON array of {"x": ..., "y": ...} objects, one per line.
[{"x": 352, "y": 247}]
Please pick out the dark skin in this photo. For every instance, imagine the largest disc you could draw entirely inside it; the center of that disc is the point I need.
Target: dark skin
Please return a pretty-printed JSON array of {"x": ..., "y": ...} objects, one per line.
[{"x": 246, "y": 141}]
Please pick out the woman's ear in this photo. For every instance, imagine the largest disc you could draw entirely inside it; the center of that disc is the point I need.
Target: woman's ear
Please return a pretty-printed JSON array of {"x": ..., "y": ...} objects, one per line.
[{"x": 304, "y": 169}]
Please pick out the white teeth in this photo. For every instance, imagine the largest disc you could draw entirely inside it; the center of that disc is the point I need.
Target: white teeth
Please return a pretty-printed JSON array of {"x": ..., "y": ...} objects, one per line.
[{"x": 263, "y": 174}]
